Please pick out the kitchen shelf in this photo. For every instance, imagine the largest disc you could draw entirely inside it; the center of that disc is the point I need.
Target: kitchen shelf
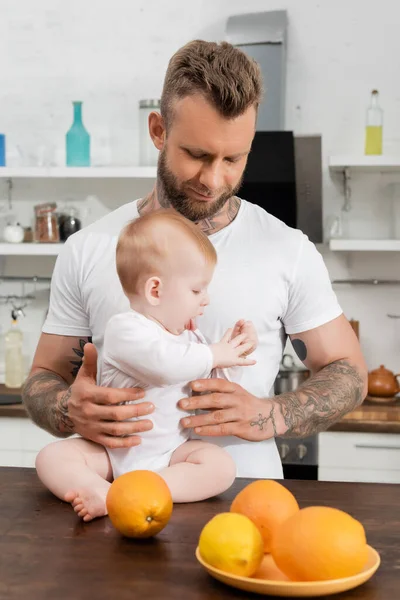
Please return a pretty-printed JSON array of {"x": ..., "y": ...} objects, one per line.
[
  {"x": 364, "y": 245},
  {"x": 30, "y": 249},
  {"x": 78, "y": 172},
  {"x": 372, "y": 164}
]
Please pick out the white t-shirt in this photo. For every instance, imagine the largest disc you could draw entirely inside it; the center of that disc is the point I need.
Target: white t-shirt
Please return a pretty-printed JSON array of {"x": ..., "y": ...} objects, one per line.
[
  {"x": 267, "y": 272},
  {"x": 139, "y": 352}
]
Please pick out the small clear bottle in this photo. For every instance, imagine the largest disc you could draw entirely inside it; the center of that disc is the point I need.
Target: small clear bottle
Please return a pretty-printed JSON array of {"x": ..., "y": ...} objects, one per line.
[
  {"x": 14, "y": 360},
  {"x": 374, "y": 126}
]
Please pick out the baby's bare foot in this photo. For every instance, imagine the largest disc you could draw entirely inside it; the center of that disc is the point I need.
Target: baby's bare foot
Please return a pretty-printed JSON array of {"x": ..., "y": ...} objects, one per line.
[{"x": 88, "y": 503}]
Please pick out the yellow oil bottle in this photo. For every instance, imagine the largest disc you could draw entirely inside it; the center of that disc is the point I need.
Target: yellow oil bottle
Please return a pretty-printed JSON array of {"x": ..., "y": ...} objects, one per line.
[{"x": 374, "y": 126}]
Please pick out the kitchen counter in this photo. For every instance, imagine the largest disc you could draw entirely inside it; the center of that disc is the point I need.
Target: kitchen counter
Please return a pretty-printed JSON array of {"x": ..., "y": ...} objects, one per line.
[
  {"x": 371, "y": 418},
  {"x": 11, "y": 410},
  {"x": 48, "y": 552}
]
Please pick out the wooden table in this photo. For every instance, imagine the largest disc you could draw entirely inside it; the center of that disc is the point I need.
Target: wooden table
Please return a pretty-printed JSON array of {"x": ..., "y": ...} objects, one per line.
[{"x": 47, "y": 553}]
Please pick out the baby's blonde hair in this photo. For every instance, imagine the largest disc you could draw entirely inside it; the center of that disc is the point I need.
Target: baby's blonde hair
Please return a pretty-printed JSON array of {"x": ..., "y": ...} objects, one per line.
[{"x": 145, "y": 245}]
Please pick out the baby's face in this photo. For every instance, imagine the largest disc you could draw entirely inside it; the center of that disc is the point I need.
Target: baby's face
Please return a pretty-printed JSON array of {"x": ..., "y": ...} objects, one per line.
[{"x": 184, "y": 292}]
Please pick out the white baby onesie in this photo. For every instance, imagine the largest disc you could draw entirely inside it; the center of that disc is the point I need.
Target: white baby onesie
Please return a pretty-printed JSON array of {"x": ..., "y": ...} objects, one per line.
[{"x": 139, "y": 352}]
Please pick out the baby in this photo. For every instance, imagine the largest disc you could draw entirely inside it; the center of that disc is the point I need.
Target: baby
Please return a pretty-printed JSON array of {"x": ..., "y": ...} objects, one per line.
[{"x": 165, "y": 264}]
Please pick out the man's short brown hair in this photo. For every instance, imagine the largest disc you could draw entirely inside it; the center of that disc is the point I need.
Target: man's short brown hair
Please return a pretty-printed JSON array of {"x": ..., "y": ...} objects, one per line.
[{"x": 229, "y": 79}]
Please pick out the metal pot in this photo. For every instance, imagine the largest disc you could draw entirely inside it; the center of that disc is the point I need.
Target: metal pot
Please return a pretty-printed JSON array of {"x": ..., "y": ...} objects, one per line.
[{"x": 289, "y": 377}]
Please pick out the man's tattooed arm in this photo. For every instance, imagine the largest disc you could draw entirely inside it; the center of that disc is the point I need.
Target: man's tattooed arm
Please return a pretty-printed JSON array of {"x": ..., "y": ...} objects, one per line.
[
  {"x": 263, "y": 422},
  {"x": 322, "y": 400},
  {"x": 46, "y": 393},
  {"x": 316, "y": 405}
]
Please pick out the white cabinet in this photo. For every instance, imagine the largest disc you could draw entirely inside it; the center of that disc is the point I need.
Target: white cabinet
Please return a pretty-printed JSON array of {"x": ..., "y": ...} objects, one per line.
[
  {"x": 368, "y": 457},
  {"x": 20, "y": 441}
]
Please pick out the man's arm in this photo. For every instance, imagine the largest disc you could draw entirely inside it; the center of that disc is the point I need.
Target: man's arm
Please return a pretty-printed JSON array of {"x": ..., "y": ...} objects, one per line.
[
  {"x": 337, "y": 385},
  {"x": 62, "y": 396},
  {"x": 47, "y": 390}
]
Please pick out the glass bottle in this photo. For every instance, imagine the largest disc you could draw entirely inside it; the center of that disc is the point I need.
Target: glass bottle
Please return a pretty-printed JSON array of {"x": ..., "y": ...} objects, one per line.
[
  {"x": 78, "y": 141},
  {"x": 14, "y": 360},
  {"x": 373, "y": 130}
]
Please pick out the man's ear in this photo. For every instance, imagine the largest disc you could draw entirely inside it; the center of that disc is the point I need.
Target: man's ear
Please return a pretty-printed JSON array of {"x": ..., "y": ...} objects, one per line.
[
  {"x": 153, "y": 291},
  {"x": 157, "y": 130}
]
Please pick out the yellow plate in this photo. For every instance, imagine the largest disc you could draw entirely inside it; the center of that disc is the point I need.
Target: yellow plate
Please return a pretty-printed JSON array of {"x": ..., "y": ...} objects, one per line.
[{"x": 301, "y": 589}]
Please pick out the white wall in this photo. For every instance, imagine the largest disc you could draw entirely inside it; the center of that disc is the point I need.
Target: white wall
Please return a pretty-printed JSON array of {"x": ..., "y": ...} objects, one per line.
[{"x": 111, "y": 54}]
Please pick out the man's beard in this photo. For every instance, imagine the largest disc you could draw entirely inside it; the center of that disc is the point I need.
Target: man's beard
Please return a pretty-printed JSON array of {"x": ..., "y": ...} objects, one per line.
[{"x": 172, "y": 194}]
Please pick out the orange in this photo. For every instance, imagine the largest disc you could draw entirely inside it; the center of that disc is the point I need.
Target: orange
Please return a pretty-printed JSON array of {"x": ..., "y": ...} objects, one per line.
[
  {"x": 268, "y": 504},
  {"x": 320, "y": 543},
  {"x": 139, "y": 504},
  {"x": 231, "y": 543},
  {"x": 269, "y": 570}
]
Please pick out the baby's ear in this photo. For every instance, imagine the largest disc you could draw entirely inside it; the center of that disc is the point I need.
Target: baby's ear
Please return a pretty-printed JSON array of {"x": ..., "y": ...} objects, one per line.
[{"x": 153, "y": 291}]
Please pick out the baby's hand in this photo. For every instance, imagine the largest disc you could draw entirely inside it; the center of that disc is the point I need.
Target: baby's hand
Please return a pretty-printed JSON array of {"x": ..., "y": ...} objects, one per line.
[
  {"x": 247, "y": 329},
  {"x": 231, "y": 351}
]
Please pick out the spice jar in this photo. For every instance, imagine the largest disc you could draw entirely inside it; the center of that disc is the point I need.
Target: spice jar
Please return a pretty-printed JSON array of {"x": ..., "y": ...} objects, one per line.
[
  {"x": 46, "y": 224},
  {"x": 68, "y": 222}
]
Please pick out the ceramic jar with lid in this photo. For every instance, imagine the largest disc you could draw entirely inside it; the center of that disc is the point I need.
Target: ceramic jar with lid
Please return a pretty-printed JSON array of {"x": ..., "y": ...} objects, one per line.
[
  {"x": 13, "y": 234},
  {"x": 383, "y": 383}
]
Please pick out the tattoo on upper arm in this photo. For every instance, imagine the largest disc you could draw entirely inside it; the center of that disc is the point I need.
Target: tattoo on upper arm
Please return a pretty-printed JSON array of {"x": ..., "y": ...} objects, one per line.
[
  {"x": 300, "y": 348},
  {"x": 79, "y": 352},
  {"x": 322, "y": 400}
]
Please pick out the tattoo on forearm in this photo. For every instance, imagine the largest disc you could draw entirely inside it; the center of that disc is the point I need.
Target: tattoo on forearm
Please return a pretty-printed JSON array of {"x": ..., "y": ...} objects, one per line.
[
  {"x": 66, "y": 422},
  {"x": 45, "y": 395},
  {"x": 79, "y": 352},
  {"x": 322, "y": 400},
  {"x": 261, "y": 421}
]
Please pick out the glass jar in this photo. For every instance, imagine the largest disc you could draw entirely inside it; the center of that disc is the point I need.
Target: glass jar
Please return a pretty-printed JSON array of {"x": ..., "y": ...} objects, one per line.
[
  {"x": 148, "y": 153},
  {"x": 68, "y": 222},
  {"x": 46, "y": 224}
]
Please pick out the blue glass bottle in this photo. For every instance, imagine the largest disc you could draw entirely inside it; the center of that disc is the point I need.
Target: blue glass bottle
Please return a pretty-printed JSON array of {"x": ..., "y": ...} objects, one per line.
[{"x": 78, "y": 141}]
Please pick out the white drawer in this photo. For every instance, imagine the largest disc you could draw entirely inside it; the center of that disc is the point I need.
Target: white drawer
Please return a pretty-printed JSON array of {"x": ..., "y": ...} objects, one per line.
[
  {"x": 28, "y": 459},
  {"x": 11, "y": 458},
  {"x": 10, "y": 433},
  {"x": 359, "y": 450},
  {"x": 33, "y": 437},
  {"x": 359, "y": 475}
]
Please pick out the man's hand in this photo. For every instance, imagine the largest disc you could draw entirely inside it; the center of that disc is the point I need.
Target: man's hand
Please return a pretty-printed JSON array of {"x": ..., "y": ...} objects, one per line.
[
  {"x": 233, "y": 411},
  {"x": 96, "y": 412}
]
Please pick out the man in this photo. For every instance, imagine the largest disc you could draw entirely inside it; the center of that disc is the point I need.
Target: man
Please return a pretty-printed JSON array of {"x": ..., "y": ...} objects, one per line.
[{"x": 267, "y": 272}]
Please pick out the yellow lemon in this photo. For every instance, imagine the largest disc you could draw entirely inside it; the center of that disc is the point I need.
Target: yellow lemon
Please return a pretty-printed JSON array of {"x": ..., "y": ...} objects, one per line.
[{"x": 232, "y": 543}]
